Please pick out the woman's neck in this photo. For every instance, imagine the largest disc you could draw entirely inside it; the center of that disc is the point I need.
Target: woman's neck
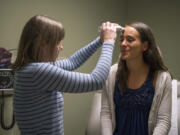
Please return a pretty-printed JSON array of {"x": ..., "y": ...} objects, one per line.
[
  {"x": 138, "y": 71},
  {"x": 137, "y": 67}
]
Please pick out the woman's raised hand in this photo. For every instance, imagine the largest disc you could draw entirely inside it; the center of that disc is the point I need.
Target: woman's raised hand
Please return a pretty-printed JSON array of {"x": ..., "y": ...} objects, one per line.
[{"x": 108, "y": 32}]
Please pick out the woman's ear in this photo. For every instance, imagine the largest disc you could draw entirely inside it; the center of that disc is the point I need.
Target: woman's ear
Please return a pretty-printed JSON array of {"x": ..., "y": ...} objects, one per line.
[{"x": 145, "y": 45}]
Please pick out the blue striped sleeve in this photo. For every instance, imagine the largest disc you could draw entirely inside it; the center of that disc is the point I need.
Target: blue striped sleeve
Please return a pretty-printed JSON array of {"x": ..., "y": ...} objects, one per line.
[
  {"x": 49, "y": 77},
  {"x": 79, "y": 57}
]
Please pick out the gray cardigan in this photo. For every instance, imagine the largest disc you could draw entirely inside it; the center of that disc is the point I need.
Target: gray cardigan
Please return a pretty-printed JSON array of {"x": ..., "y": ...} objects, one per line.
[{"x": 159, "y": 121}]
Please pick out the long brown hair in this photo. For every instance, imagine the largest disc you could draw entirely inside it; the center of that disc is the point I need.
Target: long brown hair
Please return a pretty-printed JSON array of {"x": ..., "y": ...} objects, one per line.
[
  {"x": 151, "y": 56},
  {"x": 38, "y": 41}
]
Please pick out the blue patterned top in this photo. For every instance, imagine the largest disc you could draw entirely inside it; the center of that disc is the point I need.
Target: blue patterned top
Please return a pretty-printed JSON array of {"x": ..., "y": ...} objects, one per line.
[
  {"x": 38, "y": 100},
  {"x": 133, "y": 107}
]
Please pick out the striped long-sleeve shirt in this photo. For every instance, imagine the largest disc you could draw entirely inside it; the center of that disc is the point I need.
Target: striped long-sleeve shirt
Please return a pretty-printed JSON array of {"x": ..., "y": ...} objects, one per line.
[{"x": 38, "y": 101}]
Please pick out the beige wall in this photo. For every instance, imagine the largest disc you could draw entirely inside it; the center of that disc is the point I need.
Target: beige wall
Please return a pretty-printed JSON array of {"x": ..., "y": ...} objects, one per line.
[{"x": 81, "y": 19}]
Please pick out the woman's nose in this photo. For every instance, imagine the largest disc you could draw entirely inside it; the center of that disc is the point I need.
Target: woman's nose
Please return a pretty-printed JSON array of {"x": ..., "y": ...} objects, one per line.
[
  {"x": 123, "y": 43},
  {"x": 60, "y": 47}
]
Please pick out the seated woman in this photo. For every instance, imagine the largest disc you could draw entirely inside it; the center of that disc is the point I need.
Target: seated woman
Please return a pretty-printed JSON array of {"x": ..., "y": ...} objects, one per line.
[{"x": 136, "y": 99}]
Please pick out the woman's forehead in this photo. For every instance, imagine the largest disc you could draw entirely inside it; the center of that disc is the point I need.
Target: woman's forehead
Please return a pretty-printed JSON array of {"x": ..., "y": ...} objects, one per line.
[{"x": 130, "y": 31}]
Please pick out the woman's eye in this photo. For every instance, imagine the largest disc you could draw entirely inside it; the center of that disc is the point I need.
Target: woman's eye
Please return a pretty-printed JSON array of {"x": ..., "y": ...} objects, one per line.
[
  {"x": 130, "y": 40},
  {"x": 121, "y": 40}
]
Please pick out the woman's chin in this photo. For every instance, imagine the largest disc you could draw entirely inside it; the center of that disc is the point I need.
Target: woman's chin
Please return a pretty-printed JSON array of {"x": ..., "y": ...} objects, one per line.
[{"x": 124, "y": 57}]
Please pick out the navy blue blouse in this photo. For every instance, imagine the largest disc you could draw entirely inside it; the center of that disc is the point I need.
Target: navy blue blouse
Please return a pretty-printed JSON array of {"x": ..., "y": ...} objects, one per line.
[{"x": 133, "y": 107}]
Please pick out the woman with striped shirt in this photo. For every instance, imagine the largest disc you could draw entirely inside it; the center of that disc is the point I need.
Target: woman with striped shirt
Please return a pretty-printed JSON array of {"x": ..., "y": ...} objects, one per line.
[{"x": 40, "y": 79}]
